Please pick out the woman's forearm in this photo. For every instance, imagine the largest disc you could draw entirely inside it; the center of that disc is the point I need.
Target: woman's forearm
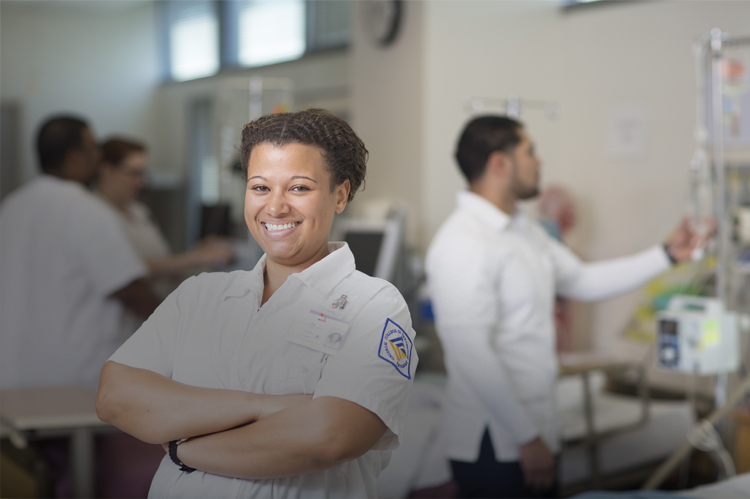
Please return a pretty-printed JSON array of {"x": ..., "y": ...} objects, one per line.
[
  {"x": 172, "y": 265},
  {"x": 310, "y": 437},
  {"x": 205, "y": 255},
  {"x": 156, "y": 409}
]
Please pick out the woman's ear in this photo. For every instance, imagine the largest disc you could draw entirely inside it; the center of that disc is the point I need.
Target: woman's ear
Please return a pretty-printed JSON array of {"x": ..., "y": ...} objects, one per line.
[{"x": 342, "y": 195}]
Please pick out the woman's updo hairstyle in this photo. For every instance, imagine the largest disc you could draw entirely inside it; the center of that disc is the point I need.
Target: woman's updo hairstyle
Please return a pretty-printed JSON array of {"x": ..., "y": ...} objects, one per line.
[
  {"x": 114, "y": 150},
  {"x": 345, "y": 153}
]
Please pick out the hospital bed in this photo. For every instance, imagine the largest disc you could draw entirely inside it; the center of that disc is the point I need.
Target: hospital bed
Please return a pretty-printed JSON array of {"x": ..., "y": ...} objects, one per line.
[
  {"x": 736, "y": 487},
  {"x": 630, "y": 435}
]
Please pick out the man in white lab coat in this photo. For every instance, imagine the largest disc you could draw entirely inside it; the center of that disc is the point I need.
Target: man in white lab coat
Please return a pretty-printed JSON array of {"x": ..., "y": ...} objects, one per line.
[
  {"x": 66, "y": 268},
  {"x": 493, "y": 275}
]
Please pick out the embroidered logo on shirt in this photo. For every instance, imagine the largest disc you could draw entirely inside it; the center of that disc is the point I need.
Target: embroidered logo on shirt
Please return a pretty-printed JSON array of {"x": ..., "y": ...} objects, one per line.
[{"x": 396, "y": 347}]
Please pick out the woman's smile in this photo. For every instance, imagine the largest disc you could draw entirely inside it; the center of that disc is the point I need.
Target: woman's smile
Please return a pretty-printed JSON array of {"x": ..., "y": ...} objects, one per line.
[{"x": 280, "y": 229}]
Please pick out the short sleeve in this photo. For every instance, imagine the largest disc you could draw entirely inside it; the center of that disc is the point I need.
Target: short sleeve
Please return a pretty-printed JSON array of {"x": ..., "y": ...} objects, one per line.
[
  {"x": 153, "y": 346},
  {"x": 376, "y": 365},
  {"x": 104, "y": 249}
]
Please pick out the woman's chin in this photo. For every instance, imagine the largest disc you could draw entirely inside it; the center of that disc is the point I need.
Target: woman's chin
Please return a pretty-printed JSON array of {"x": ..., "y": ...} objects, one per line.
[
  {"x": 291, "y": 256},
  {"x": 281, "y": 255}
]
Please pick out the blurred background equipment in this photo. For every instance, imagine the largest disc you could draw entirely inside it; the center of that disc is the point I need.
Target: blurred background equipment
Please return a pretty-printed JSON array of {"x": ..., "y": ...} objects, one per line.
[
  {"x": 697, "y": 335},
  {"x": 701, "y": 335}
]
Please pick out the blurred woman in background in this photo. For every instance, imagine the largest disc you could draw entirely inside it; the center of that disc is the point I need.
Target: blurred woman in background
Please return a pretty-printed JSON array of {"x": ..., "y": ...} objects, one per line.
[{"x": 122, "y": 177}]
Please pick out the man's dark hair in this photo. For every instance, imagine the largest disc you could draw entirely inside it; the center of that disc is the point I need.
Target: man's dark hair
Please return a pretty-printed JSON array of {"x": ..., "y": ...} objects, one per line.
[
  {"x": 481, "y": 137},
  {"x": 56, "y": 137},
  {"x": 345, "y": 153},
  {"x": 115, "y": 149}
]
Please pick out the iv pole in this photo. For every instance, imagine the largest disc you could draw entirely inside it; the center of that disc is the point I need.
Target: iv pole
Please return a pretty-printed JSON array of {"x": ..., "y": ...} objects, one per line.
[
  {"x": 720, "y": 201},
  {"x": 709, "y": 48}
]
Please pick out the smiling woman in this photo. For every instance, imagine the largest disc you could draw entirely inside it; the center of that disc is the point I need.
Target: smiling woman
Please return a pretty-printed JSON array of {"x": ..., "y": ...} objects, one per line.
[
  {"x": 316, "y": 355},
  {"x": 289, "y": 207}
]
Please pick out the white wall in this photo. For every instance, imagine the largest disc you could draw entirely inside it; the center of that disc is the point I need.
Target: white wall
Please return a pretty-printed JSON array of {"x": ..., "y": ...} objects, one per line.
[
  {"x": 95, "y": 59},
  {"x": 388, "y": 112},
  {"x": 588, "y": 59}
]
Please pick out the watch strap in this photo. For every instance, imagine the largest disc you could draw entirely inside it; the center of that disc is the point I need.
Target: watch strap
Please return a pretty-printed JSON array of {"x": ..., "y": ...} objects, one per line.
[
  {"x": 671, "y": 257},
  {"x": 173, "y": 456}
]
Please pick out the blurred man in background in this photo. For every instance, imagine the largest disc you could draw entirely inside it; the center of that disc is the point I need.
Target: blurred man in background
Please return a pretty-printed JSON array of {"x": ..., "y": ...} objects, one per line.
[
  {"x": 67, "y": 271},
  {"x": 493, "y": 274}
]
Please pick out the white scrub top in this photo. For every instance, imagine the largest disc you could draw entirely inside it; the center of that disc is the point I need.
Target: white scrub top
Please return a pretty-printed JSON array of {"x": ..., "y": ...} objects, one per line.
[
  {"x": 149, "y": 243},
  {"x": 211, "y": 332},
  {"x": 143, "y": 232},
  {"x": 62, "y": 254},
  {"x": 493, "y": 280}
]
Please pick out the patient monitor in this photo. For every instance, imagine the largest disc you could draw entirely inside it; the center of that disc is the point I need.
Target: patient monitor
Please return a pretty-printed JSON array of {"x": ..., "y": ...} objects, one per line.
[{"x": 697, "y": 335}]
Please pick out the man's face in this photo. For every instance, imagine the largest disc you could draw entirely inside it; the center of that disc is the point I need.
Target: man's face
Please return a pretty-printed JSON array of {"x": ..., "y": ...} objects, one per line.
[{"x": 526, "y": 169}]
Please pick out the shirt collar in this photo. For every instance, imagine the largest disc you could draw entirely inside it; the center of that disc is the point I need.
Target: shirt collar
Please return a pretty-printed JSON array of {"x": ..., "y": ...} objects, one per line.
[
  {"x": 54, "y": 179},
  {"x": 490, "y": 214},
  {"x": 247, "y": 281},
  {"x": 322, "y": 276},
  {"x": 331, "y": 270}
]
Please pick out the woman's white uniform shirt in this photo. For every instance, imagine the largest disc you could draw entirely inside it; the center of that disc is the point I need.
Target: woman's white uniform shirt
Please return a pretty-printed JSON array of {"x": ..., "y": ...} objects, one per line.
[{"x": 328, "y": 331}]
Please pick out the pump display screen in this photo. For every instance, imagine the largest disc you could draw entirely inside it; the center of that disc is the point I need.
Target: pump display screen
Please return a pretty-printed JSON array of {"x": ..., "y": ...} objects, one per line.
[{"x": 668, "y": 327}]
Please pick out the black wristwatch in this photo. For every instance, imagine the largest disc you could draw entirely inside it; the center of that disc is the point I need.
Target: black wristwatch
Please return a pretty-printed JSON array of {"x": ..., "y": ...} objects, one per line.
[
  {"x": 173, "y": 456},
  {"x": 671, "y": 257}
]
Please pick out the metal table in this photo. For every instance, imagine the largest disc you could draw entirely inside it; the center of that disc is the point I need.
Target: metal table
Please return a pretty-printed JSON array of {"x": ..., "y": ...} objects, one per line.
[{"x": 48, "y": 412}]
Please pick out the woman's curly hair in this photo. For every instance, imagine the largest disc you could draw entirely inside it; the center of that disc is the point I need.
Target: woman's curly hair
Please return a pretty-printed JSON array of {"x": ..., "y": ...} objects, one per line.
[{"x": 345, "y": 153}]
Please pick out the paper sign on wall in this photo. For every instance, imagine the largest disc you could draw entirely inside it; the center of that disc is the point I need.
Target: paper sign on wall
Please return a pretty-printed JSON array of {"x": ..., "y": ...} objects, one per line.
[{"x": 628, "y": 127}]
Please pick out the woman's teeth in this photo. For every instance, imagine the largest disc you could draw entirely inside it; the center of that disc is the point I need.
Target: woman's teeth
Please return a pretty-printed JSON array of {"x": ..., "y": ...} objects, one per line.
[{"x": 274, "y": 228}]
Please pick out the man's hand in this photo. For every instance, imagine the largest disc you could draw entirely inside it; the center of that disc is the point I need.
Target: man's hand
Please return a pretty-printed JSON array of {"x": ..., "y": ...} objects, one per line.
[
  {"x": 538, "y": 465},
  {"x": 687, "y": 238},
  {"x": 271, "y": 404}
]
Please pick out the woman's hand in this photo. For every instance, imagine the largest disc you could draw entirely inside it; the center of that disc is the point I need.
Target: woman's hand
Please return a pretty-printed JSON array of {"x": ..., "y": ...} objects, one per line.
[
  {"x": 213, "y": 251},
  {"x": 271, "y": 404}
]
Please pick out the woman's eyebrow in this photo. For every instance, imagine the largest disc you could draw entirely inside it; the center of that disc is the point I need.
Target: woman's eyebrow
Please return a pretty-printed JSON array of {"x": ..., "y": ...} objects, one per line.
[
  {"x": 302, "y": 176},
  {"x": 296, "y": 177}
]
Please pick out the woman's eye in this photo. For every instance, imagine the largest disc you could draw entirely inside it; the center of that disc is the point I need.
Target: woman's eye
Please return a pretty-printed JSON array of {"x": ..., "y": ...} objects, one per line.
[
  {"x": 300, "y": 188},
  {"x": 259, "y": 188}
]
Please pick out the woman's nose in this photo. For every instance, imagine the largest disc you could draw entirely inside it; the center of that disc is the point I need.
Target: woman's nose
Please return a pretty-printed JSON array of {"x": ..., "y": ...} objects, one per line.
[{"x": 277, "y": 204}]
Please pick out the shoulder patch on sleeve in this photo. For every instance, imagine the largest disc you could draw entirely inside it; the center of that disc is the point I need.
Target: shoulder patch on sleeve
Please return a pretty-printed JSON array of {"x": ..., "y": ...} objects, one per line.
[{"x": 395, "y": 348}]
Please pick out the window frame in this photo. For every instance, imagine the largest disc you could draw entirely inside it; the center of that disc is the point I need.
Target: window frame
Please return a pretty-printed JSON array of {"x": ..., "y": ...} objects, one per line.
[{"x": 227, "y": 12}]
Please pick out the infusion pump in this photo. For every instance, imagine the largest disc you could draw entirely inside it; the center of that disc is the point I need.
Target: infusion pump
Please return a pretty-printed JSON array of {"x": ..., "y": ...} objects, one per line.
[{"x": 697, "y": 335}]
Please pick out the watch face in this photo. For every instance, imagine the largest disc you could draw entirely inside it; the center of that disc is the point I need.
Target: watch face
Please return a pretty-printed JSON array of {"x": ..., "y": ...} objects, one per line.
[{"x": 383, "y": 18}]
